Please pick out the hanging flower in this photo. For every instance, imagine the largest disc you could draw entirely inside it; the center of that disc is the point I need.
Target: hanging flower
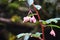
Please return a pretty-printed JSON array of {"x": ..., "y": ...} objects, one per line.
[
  {"x": 26, "y": 19},
  {"x": 33, "y": 19},
  {"x": 41, "y": 39},
  {"x": 53, "y": 33}
]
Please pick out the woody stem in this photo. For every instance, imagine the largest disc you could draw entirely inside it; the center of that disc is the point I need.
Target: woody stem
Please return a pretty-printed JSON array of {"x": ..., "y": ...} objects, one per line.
[{"x": 40, "y": 23}]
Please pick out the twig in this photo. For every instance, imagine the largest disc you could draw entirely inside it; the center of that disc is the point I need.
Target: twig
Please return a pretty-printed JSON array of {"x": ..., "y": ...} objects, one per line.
[
  {"x": 40, "y": 22},
  {"x": 4, "y": 20}
]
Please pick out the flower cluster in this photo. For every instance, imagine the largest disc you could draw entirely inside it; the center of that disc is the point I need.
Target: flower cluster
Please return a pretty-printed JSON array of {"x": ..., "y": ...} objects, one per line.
[
  {"x": 31, "y": 19},
  {"x": 53, "y": 33}
]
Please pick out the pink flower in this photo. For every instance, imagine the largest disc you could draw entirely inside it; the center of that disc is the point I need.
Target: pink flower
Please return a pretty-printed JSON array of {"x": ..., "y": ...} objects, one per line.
[
  {"x": 53, "y": 33},
  {"x": 41, "y": 39},
  {"x": 26, "y": 19},
  {"x": 33, "y": 19}
]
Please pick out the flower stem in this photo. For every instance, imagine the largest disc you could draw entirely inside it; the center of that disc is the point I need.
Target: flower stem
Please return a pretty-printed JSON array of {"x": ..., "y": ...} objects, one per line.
[{"x": 40, "y": 22}]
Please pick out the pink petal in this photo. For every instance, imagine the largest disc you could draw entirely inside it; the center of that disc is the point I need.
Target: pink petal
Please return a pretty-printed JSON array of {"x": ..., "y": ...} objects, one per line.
[
  {"x": 33, "y": 19},
  {"x": 26, "y": 19},
  {"x": 53, "y": 33},
  {"x": 41, "y": 39}
]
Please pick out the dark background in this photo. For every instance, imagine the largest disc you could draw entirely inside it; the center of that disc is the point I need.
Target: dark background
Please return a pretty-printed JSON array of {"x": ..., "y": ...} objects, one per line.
[{"x": 49, "y": 10}]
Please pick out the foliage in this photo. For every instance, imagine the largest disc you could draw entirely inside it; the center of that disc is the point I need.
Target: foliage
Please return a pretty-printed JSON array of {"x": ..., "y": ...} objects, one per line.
[
  {"x": 37, "y": 34},
  {"x": 54, "y": 26},
  {"x": 14, "y": 7}
]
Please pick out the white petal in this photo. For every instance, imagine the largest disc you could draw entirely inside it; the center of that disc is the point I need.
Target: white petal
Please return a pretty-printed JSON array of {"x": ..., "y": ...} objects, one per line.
[
  {"x": 30, "y": 2},
  {"x": 38, "y": 7}
]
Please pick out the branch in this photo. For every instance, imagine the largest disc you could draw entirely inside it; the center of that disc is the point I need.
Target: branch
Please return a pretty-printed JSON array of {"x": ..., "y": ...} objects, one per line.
[
  {"x": 43, "y": 36},
  {"x": 4, "y": 20}
]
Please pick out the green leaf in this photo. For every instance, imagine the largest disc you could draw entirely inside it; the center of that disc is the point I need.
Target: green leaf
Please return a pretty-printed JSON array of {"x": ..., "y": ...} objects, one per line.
[
  {"x": 54, "y": 26},
  {"x": 36, "y": 34},
  {"x": 44, "y": 22},
  {"x": 31, "y": 14},
  {"x": 20, "y": 35}
]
